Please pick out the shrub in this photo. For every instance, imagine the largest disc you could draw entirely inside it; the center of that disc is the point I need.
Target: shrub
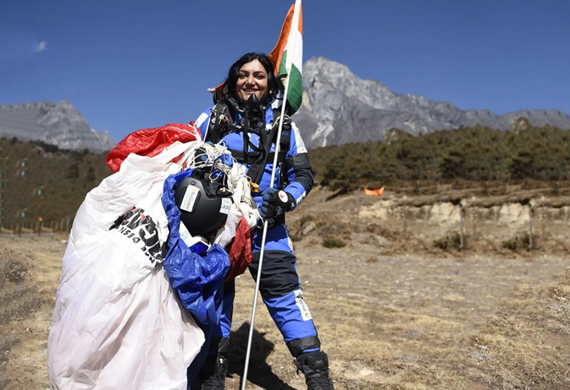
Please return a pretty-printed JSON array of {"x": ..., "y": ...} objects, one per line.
[
  {"x": 333, "y": 242},
  {"x": 517, "y": 243},
  {"x": 449, "y": 242}
]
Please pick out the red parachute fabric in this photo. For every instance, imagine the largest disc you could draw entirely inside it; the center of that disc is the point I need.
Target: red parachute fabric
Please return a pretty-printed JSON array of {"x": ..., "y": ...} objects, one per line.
[
  {"x": 240, "y": 251},
  {"x": 150, "y": 142}
]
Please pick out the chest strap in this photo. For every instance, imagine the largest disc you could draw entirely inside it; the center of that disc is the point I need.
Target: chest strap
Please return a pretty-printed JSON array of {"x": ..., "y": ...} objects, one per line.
[{"x": 239, "y": 156}]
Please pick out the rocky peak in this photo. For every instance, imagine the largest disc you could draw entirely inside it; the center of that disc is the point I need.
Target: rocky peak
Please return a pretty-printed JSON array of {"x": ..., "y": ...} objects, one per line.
[
  {"x": 338, "y": 107},
  {"x": 58, "y": 124}
]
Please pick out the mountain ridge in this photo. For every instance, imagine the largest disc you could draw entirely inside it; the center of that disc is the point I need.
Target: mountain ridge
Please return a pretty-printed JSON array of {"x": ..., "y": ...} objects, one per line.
[
  {"x": 58, "y": 124},
  {"x": 338, "y": 108}
]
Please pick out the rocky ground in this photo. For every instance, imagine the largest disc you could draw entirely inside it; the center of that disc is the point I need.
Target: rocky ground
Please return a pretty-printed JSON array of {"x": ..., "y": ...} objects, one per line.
[{"x": 393, "y": 310}]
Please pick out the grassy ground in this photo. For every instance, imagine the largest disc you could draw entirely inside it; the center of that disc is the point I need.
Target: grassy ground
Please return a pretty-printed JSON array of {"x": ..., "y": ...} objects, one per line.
[{"x": 393, "y": 311}]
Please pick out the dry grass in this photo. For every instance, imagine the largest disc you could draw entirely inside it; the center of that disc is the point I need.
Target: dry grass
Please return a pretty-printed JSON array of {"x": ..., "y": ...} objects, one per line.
[
  {"x": 526, "y": 343},
  {"x": 393, "y": 311}
]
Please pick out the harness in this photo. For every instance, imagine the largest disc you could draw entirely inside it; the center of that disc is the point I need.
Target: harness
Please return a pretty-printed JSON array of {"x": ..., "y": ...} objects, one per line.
[{"x": 253, "y": 121}]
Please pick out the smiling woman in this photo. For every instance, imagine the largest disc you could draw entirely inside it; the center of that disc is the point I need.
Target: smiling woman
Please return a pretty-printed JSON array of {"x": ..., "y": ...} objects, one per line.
[
  {"x": 252, "y": 74},
  {"x": 247, "y": 120},
  {"x": 252, "y": 80}
]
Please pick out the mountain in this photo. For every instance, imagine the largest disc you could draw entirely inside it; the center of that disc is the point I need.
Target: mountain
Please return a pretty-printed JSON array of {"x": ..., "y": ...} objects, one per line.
[
  {"x": 339, "y": 108},
  {"x": 57, "y": 124}
]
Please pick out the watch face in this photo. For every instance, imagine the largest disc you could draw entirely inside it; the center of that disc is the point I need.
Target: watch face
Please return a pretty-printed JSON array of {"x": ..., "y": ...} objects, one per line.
[{"x": 283, "y": 196}]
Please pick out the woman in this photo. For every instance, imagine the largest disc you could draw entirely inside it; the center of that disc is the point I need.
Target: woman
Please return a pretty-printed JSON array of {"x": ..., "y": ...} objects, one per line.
[{"x": 244, "y": 119}]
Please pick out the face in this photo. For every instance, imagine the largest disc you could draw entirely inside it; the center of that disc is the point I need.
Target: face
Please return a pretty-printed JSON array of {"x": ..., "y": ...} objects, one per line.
[{"x": 252, "y": 79}]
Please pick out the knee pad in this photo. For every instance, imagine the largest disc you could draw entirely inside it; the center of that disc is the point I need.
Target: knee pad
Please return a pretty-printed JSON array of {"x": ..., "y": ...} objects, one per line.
[{"x": 278, "y": 276}]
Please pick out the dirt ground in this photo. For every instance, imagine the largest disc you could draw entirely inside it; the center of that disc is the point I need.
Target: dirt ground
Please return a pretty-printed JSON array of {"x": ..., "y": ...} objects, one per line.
[{"x": 392, "y": 310}]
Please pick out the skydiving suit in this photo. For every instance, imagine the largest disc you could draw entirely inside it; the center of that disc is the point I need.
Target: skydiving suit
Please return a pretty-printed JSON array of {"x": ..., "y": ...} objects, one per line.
[{"x": 280, "y": 284}]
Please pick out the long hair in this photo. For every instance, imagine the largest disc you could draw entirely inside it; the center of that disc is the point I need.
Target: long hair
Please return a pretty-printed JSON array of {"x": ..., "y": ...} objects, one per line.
[{"x": 233, "y": 74}]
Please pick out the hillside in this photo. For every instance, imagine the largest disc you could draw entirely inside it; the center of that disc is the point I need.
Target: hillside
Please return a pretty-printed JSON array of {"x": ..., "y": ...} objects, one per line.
[
  {"x": 40, "y": 180},
  {"x": 477, "y": 157}
]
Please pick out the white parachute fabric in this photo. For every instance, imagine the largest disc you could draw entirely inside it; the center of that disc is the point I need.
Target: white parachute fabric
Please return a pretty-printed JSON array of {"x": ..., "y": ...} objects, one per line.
[
  {"x": 117, "y": 324},
  {"x": 113, "y": 326}
]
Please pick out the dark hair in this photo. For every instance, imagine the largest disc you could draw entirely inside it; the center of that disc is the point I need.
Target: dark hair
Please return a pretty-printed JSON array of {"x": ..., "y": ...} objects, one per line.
[{"x": 233, "y": 74}]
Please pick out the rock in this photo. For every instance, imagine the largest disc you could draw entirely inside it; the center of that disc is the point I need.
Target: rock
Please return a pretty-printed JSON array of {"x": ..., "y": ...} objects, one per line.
[
  {"x": 306, "y": 228},
  {"x": 376, "y": 241}
]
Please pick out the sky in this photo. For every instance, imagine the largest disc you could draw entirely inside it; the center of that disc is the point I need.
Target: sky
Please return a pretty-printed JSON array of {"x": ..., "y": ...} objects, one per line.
[{"x": 128, "y": 64}]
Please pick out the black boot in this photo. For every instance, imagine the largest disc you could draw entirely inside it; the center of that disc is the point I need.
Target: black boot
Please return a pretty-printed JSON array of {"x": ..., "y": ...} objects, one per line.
[
  {"x": 315, "y": 366},
  {"x": 212, "y": 376}
]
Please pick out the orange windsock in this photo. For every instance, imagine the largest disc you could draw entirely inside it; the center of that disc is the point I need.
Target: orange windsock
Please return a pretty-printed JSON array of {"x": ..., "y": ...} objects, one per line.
[{"x": 377, "y": 192}]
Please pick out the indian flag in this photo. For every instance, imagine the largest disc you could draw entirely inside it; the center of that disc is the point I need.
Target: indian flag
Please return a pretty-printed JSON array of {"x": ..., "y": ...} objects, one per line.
[{"x": 287, "y": 56}]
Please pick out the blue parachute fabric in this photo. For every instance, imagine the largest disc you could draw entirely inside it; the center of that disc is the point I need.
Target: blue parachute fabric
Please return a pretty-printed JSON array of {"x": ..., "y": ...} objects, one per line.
[{"x": 197, "y": 278}]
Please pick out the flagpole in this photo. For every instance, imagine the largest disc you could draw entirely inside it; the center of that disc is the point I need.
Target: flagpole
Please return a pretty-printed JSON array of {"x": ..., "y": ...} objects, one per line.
[{"x": 294, "y": 28}]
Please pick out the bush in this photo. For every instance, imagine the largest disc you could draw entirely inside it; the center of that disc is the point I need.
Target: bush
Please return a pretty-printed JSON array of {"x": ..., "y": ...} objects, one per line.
[
  {"x": 333, "y": 242},
  {"x": 449, "y": 242},
  {"x": 517, "y": 243}
]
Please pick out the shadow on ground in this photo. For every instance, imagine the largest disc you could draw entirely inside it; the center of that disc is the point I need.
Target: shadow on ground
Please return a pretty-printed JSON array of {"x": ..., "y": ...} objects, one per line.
[{"x": 259, "y": 372}]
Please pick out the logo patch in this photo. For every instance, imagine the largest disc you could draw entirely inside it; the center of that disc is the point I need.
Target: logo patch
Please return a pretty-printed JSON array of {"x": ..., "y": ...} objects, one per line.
[
  {"x": 189, "y": 199},
  {"x": 303, "y": 308},
  {"x": 141, "y": 230},
  {"x": 225, "y": 207}
]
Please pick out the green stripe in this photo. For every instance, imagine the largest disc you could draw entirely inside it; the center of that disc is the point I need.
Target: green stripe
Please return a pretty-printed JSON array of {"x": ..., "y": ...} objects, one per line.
[{"x": 295, "y": 93}]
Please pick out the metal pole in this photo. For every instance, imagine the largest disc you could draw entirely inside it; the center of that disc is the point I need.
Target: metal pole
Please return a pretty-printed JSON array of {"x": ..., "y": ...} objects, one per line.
[
  {"x": 261, "y": 254},
  {"x": 264, "y": 236},
  {"x": 530, "y": 216},
  {"x": 461, "y": 226},
  {"x": 406, "y": 222},
  {"x": 357, "y": 211}
]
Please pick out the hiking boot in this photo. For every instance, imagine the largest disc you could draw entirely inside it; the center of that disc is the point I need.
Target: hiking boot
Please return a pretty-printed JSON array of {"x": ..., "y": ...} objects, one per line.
[
  {"x": 315, "y": 366},
  {"x": 214, "y": 379}
]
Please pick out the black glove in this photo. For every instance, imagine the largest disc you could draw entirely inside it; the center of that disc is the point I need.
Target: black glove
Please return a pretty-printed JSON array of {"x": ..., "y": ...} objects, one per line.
[{"x": 275, "y": 203}]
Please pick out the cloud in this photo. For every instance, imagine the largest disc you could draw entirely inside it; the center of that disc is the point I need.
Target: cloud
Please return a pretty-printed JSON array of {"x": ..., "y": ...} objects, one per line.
[{"x": 42, "y": 46}]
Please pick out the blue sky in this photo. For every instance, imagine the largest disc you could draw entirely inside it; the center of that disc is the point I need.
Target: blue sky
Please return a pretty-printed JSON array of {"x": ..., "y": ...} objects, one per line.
[{"x": 130, "y": 64}]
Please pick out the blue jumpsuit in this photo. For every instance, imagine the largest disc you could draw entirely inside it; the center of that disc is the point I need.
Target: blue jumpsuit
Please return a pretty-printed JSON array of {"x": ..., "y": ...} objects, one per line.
[{"x": 280, "y": 284}]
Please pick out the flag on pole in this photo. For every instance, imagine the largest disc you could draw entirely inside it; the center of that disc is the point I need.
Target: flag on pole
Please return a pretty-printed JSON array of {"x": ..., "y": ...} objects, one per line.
[{"x": 287, "y": 56}]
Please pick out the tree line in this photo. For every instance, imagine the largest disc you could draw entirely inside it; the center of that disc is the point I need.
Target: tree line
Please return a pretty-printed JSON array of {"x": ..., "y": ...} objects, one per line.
[
  {"x": 476, "y": 154},
  {"x": 40, "y": 180}
]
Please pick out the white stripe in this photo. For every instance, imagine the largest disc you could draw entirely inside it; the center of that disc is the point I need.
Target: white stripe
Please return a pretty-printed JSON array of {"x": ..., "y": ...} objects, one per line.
[
  {"x": 298, "y": 140},
  {"x": 201, "y": 119},
  {"x": 300, "y": 198},
  {"x": 296, "y": 55},
  {"x": 291, "y": 40}
]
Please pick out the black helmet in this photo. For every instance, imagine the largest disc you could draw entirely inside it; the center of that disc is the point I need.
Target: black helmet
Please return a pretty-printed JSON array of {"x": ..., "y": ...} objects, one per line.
[{"x": 204, "y": 204}]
